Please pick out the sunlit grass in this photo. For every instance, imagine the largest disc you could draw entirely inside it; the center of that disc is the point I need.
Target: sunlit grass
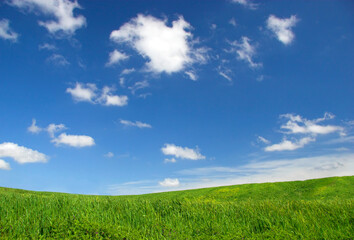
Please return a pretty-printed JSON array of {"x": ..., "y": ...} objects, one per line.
[{"x": 315, "y": 209}]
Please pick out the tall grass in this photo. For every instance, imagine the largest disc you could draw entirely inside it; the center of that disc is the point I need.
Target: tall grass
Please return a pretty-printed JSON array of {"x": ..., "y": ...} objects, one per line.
[{"x": 214, "y": 213}]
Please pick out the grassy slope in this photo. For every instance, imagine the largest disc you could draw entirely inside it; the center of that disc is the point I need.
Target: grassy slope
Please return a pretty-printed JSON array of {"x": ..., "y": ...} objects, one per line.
[{"x": 313, "y": 209}]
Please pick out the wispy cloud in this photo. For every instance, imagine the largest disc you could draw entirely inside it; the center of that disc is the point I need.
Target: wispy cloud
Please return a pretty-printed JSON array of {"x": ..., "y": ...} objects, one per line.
[
  {"x": 246, "y": 3},
  {"x": 281, "y": 27},
  {"x": 47, "y": 46},
  {"x": 137, "y": 124},
  {"x": 62, "y": 11},
  {"x": 245, "y": 51},
  {"x": 58, "y": 60},
  {"x": 4, "y": 165},
  {"x": 6, "y": 32},
  {"x": 303, "y": 131}
]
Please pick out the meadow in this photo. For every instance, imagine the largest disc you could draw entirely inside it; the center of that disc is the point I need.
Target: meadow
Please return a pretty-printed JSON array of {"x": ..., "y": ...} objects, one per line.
[{"x": 312, "y": 209}]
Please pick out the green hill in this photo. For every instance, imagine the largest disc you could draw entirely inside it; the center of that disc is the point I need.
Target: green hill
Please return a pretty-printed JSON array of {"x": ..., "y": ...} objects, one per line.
[{"x": 312, "y": 209}]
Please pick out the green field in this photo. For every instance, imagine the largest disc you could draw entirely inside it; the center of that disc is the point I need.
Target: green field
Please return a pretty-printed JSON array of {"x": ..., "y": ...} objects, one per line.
[{"x": 313, "y": 209}]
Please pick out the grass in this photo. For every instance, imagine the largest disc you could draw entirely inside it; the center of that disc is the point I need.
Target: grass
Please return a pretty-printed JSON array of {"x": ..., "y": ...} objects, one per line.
[{"x": 313, "y": 209}]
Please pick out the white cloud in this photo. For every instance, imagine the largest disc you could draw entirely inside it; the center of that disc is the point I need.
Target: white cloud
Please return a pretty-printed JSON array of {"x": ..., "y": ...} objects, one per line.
[
  {"x": 170, "y": 160},
  {"x": 53, "y": 128},
  {"x": 4, "y": 165},
  {"x": 47, "y": 46},
  {"x": 62, "y": 11},
  {"x": 108, "y": 99},
  {"x": 58, "y": 60},
  {"x": 116, "y": 57},
  {"x": 246, "y": 3},
  {"x": 89, "y": 93},
  {"x": 288, "y": 145},
  {"x": 135, "y": 124},
  {"x": 109, "y": 155},
  {"x": 21, "y": 154},
  {"x": 224, "y": 75},
  {"x": 233, "y": 22},
  {"x": 83, "y": 92},
  {"x": 180, "y": 152},
  {"x": 74, "y": 140},
  {"x": 128, "y": 71},
  {"x": 282, "y": 28},
  {"x": 34, "y": 128},
  {"x": 245, "y": 51},
  {"x": 139, "y": 85},
  {"x": 169, "y": 182},
  {"x": 6, "y": 32},
  {"x": 168, "y": 49},
  {"x": 191, "y": 75},
  {"x": 308, "y": 130},
  {"x": 263, "y": 140},
  {"x": 299, "y": 125},
  {"x": 254, "y": 172}
]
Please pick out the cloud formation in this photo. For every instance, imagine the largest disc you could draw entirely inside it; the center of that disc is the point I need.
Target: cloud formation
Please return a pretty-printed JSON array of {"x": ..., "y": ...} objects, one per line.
[
  {"x": 62, "y": 11},
  {"x": 21, "y": 154},
  {"x": 6, "y": 32},
  {"x": 303, "y": 131},
  {"x": 4, "y": 165},
  {"x": 90, "y": 93},
  {"x": 183, "y": 153},
  {"x": 115, "y": 57},
  {"x": 281, "y": 27},
  {"x": 58, "y": 60},
  {"x": 137, "y": 124},
  {"x": 74, "y": 140},
  {"x": 245, "y": 51},
  {"x": 246, "y": 3},
  {"x": 168, "y": 49},
  {"x": 169, "y": 182}
]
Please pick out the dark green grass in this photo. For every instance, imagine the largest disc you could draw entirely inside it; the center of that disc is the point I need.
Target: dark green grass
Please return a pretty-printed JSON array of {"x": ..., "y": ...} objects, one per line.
[{"x": 314, "y": 209}]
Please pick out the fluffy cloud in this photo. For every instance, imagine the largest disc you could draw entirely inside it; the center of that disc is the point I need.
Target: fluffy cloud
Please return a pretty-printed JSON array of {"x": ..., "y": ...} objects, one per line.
[
  {"x": 135, "y": 124},
  {"x": 4, "y": 165},
  {"x": 168, "y": 49},
  {"x": 51, "y": 129},
  {"x": 74, "y": 140},
  {"x": 6, "y": 32},
  {"x": 282, "y": 28},
  {"x": 303, "y": 131},
  {"x": 89, "y": 93},
  {"x": 169, "y": 182},
  {"x": 61, "y": 10},
  {"x": 58, "y": 60},
  {"x": 180, "y": 152},
  {"x": 116, "y": 57},
  {"x": 34, "y": 128},
  {"x": 83, "y": 92},
  {"x": 246, "y": 3},
  {"x": 245, "y": 51},
  {"x": 21, "y": 154},
  {"x": 54, "y": 128}
]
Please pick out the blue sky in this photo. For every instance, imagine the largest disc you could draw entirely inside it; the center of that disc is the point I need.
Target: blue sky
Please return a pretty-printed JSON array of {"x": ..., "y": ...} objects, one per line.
[{"x": 129, "y": 97}]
